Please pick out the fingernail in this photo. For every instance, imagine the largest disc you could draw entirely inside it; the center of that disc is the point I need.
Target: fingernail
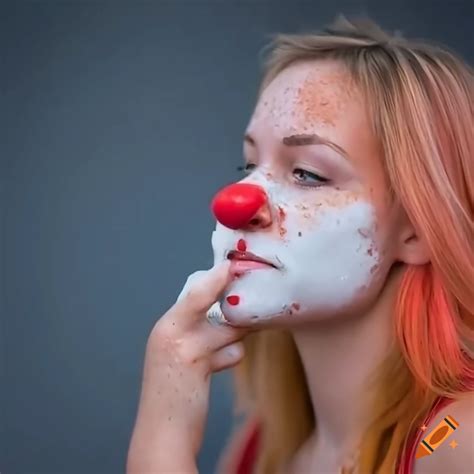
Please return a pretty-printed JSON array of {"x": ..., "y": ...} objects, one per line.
[
  {"x": 233, "y": 300},
  {"x": 233, "y": 351}
]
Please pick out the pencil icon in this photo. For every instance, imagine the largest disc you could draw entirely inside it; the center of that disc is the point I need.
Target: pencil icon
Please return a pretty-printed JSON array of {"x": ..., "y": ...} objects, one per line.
[{"x": 437, "y": 436}]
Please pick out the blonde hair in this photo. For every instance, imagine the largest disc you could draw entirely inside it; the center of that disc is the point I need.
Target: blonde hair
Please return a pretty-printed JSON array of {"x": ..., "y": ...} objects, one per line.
[{"x": 420, "y": 100}]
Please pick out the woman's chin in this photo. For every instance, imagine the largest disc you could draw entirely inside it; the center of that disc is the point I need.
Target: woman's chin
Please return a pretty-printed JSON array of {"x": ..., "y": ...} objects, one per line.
[{"x": 260, "y": 321}]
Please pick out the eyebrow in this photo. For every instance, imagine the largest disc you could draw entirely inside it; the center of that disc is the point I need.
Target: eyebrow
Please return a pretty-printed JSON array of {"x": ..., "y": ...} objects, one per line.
[
  {"x": 305, "y": 140},
  {"x": 313, "y": 139}
]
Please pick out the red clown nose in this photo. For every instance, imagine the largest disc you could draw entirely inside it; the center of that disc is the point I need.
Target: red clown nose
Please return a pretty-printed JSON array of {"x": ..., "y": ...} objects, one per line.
[{"x": 235, "y": 205}]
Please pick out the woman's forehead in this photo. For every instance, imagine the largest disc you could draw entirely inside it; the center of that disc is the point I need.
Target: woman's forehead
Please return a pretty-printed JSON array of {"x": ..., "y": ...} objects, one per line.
[{"x": 306, "y": 97}]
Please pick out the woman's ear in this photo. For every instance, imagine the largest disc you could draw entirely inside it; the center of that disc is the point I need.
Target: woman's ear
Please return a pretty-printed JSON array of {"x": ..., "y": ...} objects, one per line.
[{"x": 411, "y": 248}]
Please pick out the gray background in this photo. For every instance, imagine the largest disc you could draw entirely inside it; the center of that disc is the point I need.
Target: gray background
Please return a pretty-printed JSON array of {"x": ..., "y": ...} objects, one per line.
[{"x": 119, "y": 122}]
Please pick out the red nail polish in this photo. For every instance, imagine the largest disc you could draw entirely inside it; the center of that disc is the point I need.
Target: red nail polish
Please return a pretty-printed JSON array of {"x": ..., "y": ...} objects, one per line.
[{"x": 233, "y": 300}]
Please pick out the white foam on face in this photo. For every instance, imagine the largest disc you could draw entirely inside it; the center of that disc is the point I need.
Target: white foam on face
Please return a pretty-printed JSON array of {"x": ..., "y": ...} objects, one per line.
[{"x": 326, "y": 257}]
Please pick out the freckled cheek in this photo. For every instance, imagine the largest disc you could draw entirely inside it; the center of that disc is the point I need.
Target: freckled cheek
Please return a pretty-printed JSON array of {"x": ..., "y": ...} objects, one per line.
[
  {"x": 377, "y": 276},
  {"x": 307, "y": 221},
  {"x": 377, "y": 193},
  {"x": 376, "y": 252},
  {"x": 380, "y": 238},
  {"x": 307, "y": 216},
  {"x": 383, "y": 210},
  {"x": 308, "y": 213}
]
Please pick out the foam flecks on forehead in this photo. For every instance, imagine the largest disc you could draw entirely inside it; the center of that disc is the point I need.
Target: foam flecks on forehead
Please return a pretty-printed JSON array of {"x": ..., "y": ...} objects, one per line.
[
  {"x": 319, "y": 104},
  {"x": 305, "y": 95}
]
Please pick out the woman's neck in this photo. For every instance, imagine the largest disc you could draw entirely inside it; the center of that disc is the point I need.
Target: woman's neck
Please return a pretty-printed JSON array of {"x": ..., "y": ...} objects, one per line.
[{"x": 339, "y": 359}]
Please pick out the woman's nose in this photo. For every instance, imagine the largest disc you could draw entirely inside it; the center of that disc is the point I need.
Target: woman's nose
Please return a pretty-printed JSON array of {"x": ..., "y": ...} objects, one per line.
[{"x": 242, "y": 206}]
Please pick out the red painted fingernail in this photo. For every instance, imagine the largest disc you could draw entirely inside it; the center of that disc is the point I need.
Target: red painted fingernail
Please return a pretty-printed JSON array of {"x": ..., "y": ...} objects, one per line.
[
  {"x": 241, "y": 245},
  {"x": 233, "y": 300}
]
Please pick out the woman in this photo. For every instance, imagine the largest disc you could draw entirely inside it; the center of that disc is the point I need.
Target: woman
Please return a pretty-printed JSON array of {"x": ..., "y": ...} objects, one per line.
[{"x": 348, "y": 302}]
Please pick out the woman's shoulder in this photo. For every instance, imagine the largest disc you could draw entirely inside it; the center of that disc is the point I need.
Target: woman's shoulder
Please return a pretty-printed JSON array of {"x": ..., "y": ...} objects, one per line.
[
  {"x": 454, "y": 453},
  {"x": 239, "y": 454}
]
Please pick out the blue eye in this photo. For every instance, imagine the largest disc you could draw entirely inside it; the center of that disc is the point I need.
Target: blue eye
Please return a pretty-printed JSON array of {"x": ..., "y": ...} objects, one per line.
[
  {"x": 307, "y": 178},
  {"x": 303, "y": 177}
]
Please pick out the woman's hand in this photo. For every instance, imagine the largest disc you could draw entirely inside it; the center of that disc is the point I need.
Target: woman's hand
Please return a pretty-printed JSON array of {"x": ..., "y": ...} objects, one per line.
[{"x": 182, "y": 351}]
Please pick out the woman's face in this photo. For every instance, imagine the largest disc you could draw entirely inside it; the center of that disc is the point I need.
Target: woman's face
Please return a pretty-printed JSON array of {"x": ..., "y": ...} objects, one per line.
[{"x": 327, "y": 225}]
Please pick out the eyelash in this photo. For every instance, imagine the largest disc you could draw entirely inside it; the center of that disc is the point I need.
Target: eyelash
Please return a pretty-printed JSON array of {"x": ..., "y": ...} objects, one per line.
[{"x": 321, "y": 179}]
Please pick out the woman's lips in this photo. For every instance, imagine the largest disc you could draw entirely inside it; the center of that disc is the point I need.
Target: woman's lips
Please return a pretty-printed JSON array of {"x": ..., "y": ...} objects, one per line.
[
  {"x": 241, "y": 266},
  {"x": 246, "y": 261}
]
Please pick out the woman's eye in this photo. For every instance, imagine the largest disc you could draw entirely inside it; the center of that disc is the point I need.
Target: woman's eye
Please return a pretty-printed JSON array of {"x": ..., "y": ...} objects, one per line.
[
  {"x": 247, "y": 168},
  {"x": 308, "y": 178}
]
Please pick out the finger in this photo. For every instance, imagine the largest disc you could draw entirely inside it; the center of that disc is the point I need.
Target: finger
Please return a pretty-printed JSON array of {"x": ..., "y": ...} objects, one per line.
[
  {"x": 227, "y": 357},
  {"x": 203, "y": 289},
  {"x": 205, "y": 338},
  {"x": 190, "y": 281}
]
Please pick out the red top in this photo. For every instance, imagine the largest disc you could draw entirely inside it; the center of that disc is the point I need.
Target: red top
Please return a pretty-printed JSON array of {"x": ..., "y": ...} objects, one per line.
[{"x": 247, "y": 458}]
